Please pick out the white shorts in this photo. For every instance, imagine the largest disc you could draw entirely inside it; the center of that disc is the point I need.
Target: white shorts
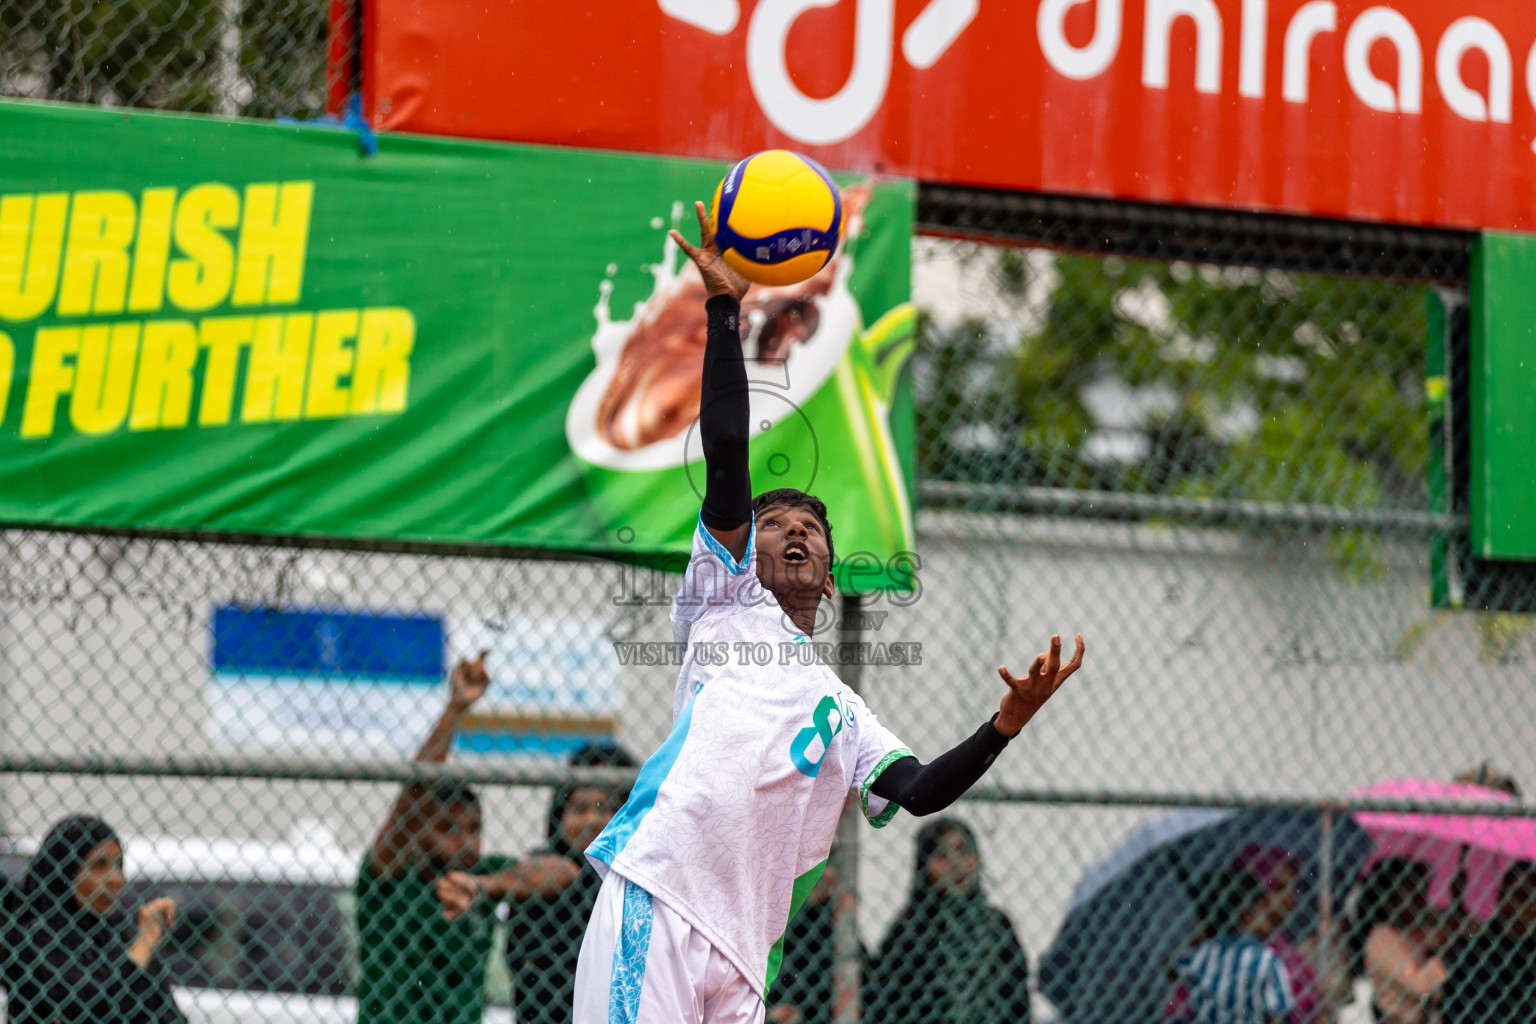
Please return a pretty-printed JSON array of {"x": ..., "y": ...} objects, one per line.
[{"x": 643, "y": 964}]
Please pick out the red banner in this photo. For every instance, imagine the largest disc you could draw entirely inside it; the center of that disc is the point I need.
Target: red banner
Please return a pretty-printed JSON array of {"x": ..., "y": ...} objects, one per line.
[{"x": 1420, "y": 112}]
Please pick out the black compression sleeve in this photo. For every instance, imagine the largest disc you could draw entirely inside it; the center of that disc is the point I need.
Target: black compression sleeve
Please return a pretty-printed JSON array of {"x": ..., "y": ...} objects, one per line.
[
  {"x": 925, "y": 788},
  {"x": 725, "y": 419}
]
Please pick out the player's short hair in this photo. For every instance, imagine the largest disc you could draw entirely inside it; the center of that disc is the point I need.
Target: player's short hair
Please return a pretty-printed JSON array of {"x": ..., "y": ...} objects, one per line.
[{"x": 791, "y": 498}]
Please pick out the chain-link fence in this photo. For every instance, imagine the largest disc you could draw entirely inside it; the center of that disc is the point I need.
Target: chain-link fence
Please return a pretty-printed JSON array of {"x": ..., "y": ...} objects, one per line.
[
  {"x": 1201, "y": 439},
  {"x": 1225, "y": 472},
  {"x": 247, "y": 58}
]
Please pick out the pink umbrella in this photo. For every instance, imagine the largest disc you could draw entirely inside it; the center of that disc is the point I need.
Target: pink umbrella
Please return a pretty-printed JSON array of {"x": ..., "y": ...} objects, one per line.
[{"x": 1482, "y": 847}]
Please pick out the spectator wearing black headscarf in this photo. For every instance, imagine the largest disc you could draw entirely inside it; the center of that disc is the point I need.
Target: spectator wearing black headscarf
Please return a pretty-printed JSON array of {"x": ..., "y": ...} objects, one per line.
[
  {"x": 950, "y": 958},
  {"x": 70, "y": 953},
  {"x": 544, "y": 930}
]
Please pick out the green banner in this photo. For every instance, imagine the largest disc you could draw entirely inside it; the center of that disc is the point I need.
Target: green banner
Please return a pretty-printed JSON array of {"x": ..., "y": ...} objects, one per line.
[
  {"x": 1503, "y": 379},
  {"x": 253, "y": 328}
]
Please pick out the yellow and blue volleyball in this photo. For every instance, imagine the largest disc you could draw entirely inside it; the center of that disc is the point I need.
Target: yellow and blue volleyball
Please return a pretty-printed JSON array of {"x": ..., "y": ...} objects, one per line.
[{"x": 776, "y": 217}]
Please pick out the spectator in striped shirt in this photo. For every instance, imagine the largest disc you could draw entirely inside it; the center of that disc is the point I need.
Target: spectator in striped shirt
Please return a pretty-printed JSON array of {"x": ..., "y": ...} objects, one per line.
[{"x": 1231, "y": 976}]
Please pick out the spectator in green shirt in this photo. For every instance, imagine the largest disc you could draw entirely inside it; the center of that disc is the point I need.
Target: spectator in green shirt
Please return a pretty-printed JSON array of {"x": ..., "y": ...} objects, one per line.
[{"x": 418, "y": 967}]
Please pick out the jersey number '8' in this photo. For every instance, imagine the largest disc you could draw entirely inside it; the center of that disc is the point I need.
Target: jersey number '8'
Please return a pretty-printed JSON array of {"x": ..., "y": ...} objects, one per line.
[{"x": 811, "y": 743}]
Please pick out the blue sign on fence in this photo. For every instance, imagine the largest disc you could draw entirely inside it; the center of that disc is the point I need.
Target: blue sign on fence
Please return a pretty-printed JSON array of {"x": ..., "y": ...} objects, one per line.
[
  {"x": 370, "y": 684},
  {"x": 323, "y": 682},
  {"x": 328, "y": 645}
]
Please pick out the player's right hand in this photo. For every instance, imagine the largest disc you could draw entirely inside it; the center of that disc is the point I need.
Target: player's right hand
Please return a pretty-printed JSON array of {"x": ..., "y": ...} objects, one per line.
[{"x": 719, "y": 278}]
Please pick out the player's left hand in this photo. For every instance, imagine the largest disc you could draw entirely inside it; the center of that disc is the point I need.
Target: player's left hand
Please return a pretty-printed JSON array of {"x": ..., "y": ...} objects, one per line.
[
  {"x": 1028, "y": 695},
  {"x": 719, "y": 278}
]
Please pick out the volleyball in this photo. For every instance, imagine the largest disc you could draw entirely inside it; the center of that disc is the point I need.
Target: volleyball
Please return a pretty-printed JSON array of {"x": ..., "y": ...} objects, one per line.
[{"x": 776, "y": 217}]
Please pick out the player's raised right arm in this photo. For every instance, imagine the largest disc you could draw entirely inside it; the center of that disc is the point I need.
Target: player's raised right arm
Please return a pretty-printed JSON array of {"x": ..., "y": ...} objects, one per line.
[{"x": 724, "y": 402}]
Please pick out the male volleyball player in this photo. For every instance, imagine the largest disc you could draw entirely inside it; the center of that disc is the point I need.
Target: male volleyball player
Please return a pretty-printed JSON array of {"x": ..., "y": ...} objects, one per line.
[{"x": 731, "y": 820}]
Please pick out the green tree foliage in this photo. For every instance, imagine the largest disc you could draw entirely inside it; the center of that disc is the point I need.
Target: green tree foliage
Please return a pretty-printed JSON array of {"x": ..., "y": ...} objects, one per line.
[
  {"x": 168, "y": 54},
  {"x": 283, "y": 57},
  {"x": 1258, "y": 385}
]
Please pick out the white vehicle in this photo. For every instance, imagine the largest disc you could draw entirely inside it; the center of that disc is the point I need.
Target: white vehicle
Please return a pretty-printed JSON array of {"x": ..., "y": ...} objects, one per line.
[{"x": 265, "y": 931}]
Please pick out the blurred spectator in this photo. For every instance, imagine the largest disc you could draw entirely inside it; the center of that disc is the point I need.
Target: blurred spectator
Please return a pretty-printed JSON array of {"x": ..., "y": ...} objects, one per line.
[
  {"x": 1394, "y": 938},
  {"x": 545, "y": 929},
  {"x": 805, "y": 990},
  {"x": 1491, "y": 778},
  {"x": 69, "y": 953},
  {"x": 1492, "y": 975},
  {"x": 1233, "y": 974},
  {"x": 949, "y": 956},
  {"x": 1281, "y": 875},
  {"x": 418, "y": 963}
]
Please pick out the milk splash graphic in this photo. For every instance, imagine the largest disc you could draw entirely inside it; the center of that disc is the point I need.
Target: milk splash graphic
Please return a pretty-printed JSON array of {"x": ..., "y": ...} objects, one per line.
[
  {"x": 778, "y": 387},
  {"x": 822, "y": 386}
]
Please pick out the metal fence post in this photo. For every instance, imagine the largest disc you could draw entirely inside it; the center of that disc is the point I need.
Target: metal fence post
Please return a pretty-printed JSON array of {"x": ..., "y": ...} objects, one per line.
[
  {"x": 846, "y": 949},
  {"x": 227, "y": 77},
  {"x": 1325, "y": 945}
]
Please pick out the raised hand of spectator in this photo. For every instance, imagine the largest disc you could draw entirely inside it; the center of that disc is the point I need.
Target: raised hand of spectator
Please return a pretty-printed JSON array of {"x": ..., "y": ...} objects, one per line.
[
  {"x": 457, "y": 891},
  {"x": 156, "y": 919},
  {"x": 468, "y": 682},
  {"x": 543, "y": 876},
  {"x": 785, "y": 1013},
  {"x": 533, "y": 878},
  {"x": 396, "y": 843}
]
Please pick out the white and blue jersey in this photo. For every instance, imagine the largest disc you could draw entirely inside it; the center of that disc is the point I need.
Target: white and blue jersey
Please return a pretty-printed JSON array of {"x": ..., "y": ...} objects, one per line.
[
  {"x": 730, "y": 822},
  {"x": 1236, "y": 979}
]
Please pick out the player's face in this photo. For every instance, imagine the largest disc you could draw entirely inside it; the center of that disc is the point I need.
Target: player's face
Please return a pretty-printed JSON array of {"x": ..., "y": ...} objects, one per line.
[
  {"x": 792, "y": 551},
  {"x": 587, "y": 813}
]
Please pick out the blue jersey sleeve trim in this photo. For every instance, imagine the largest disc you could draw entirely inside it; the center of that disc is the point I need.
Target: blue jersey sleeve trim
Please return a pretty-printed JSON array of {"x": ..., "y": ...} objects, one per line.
[{"x": 736, "y": 568}]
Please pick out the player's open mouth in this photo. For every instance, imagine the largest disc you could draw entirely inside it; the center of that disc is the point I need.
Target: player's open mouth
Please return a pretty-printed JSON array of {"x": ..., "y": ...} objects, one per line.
[{"x": 796, "y": 553}]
